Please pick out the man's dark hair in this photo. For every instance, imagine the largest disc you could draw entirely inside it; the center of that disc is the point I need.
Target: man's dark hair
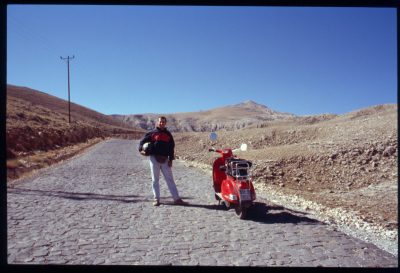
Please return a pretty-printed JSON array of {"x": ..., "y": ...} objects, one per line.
[{"x": 162, "y": 117}]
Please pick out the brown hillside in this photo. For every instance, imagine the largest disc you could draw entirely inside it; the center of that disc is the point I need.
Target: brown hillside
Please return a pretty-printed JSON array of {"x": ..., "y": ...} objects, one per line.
[
  {"x": 60, "y": 107},
  {"x": 37, "y": 123}
]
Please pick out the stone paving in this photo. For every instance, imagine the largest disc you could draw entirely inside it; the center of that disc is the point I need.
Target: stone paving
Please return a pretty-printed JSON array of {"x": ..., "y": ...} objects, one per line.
[{"x": 96, "y": 209}]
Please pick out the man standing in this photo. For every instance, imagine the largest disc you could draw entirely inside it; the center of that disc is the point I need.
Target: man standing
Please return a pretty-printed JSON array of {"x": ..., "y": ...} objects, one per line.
[{"x": 161, "y": 154}]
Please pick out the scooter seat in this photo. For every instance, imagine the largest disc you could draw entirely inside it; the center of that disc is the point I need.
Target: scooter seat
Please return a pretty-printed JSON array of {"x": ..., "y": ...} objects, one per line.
[{"x": 240, "y": 162}]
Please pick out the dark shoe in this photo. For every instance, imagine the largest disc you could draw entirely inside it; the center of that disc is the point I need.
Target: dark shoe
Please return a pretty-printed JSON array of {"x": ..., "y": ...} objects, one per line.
[
  {"x": 180, "y": 202},
  {"x": 156, "y": 203}
]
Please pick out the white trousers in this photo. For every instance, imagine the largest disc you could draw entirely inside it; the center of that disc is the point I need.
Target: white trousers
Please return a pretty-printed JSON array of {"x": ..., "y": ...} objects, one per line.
[{"x": 166, "y": 170}]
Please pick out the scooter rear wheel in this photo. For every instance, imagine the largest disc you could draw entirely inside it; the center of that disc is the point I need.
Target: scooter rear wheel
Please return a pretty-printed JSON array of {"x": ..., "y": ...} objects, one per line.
[{"x": 241, "y": 211}]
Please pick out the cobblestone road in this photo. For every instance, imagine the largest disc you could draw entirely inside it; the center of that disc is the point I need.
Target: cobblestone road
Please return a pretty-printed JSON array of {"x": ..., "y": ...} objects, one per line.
[{"x": 97, "y": 209}]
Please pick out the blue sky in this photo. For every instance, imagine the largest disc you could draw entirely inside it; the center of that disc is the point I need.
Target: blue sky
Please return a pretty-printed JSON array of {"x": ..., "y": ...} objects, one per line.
[{"x": 168, "y": 59}]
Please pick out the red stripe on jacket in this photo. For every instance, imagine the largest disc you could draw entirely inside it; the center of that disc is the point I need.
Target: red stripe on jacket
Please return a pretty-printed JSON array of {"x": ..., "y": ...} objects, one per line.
[{"x": 160, "y": 136}]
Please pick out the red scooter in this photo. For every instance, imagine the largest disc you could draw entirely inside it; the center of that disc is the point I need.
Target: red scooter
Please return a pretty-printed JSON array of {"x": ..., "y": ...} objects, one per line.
[{"x": 232, "y": 180}]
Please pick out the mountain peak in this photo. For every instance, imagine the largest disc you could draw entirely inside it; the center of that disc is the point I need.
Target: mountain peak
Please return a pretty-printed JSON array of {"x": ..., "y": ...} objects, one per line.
[{"x": 250, "y": 103}]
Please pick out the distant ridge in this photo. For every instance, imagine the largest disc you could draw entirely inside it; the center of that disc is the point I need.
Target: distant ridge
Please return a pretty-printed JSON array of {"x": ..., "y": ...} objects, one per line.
[{"x": 231, "y": 117}]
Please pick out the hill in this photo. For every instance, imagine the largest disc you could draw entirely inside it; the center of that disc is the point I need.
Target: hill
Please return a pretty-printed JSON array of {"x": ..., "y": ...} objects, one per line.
[
  {"x": 37, "y": 123},
  {"x": 231, "y": 117}
]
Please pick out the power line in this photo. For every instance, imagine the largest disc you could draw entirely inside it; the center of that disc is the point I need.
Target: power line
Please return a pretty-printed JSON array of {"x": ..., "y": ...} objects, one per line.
[{"x": 69, "y": 102}]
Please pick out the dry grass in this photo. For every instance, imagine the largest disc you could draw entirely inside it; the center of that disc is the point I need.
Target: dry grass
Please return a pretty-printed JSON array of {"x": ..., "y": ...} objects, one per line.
[{"x": 27, "y": 165}]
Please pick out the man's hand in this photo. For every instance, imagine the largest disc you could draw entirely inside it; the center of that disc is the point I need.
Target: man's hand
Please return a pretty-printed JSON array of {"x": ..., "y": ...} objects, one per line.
[
  {"x": 143, "y": 152},
  {"x": 170, "y": 163}
]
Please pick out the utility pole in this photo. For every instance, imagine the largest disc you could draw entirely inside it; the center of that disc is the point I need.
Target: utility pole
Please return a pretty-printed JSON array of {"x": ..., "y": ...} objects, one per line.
[{"x": 69, "y": 103}]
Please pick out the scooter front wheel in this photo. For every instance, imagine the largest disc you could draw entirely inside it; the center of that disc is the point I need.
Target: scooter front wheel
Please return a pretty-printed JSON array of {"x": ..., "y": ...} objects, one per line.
[
  {"x": 241, "y": 211},
  {"x": 224, "y": 204}
]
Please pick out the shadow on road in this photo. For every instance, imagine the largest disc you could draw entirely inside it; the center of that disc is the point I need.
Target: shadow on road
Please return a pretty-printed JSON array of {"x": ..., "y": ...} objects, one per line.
[
  {"x": 76, "y": 195},
  {"x": 211, "y": 207},
  {"x": 260, "y": 212},
  {"x": 263, "y": 213}
]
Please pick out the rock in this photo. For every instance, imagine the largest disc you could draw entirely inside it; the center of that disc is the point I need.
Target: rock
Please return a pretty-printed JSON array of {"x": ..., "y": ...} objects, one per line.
[
  {"x": 355, "y": 152},
  {"x": 372, "y": 152},
  {"x": 364, "y": 161},
  {"x": 380, "y": 147},
  {"x": 389, "y": 151}
]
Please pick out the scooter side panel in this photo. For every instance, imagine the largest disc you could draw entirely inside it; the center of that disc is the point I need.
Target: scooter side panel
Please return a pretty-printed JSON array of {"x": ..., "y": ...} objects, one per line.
[
  {"x": 218, "y": 175},
  {"x": 228, "y": 188}
]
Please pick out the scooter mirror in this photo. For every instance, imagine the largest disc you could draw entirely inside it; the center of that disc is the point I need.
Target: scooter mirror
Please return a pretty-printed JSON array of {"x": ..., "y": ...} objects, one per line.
[
  {"x": 213, "y": 136},
  {"x": 243, "y": 147}
]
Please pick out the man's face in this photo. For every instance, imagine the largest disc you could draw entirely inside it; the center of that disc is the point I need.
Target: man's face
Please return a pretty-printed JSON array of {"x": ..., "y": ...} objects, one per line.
[{"x": 162, "y": 123}]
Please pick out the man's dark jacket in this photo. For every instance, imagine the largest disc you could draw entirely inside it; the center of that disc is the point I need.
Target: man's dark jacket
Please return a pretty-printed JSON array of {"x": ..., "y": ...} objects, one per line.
[{"x": 162, "y": 140}]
